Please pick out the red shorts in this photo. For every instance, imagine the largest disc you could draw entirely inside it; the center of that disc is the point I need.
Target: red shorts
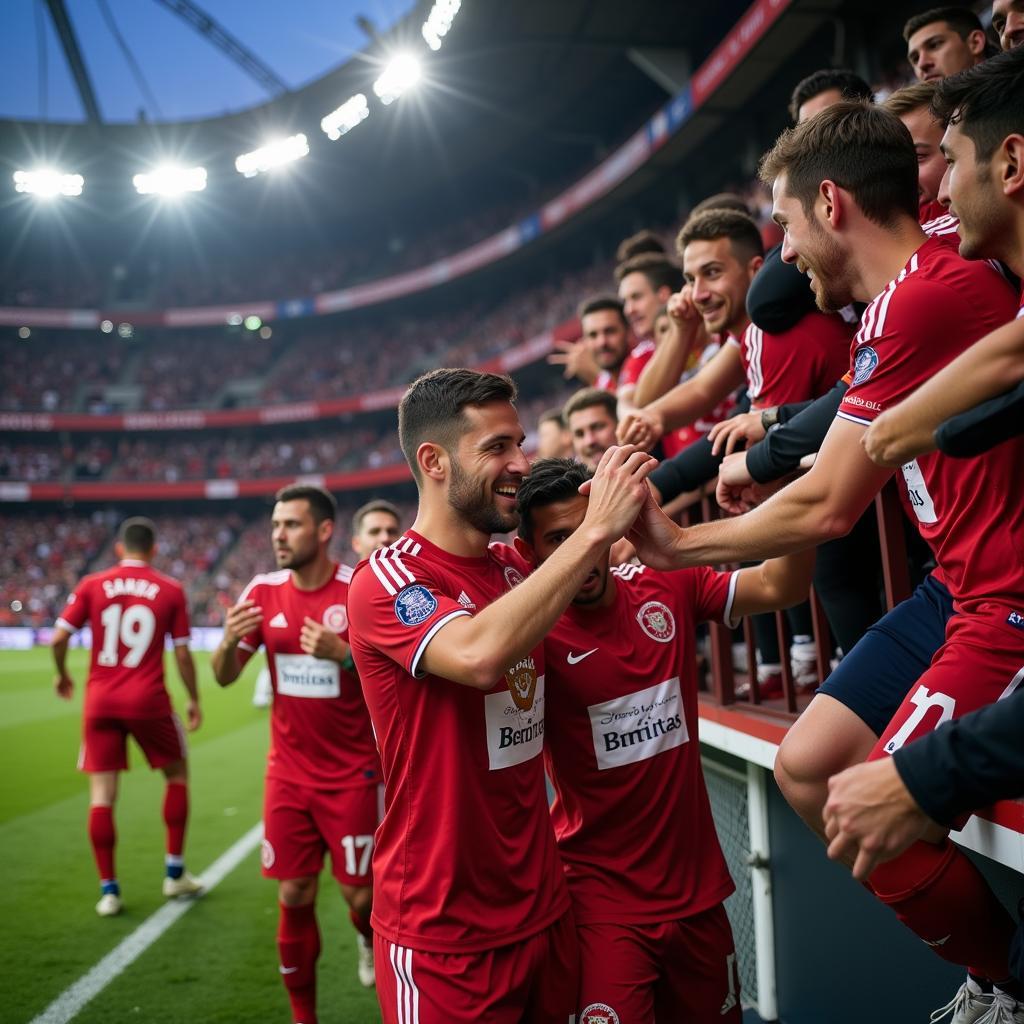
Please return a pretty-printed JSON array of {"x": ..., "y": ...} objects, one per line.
[
  {"x": 674, "y": 971},
  {"x": 980, "y": 662},
  {"x": 301, "y": 823},
  {"x": 528, "y": 982},
  {"x": 105, "y": 742}
]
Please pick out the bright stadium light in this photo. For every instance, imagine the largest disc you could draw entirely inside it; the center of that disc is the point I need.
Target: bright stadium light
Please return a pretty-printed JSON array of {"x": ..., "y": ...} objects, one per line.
[
  {"x": 351, "y": 113},
  {"x": 402, "y": 73},
  {"x": 439, "y": 22},
  {"x": 47, "y": 183},
  {"x": 170, "y": 181},
  {"x": 273, "y": 154}
]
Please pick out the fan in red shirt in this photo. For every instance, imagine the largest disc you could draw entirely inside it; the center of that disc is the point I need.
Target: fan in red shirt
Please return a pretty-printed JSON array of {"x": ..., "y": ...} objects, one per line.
[
  {"x": 130, "y": 610},
  {"x": 470, "y": 908},
  {"x": 631, "y": 814},
  {"x": 323, "y": 772}
]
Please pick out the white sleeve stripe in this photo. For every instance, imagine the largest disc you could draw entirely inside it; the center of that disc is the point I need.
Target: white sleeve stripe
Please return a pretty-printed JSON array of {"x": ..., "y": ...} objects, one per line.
[
  {"x": 181, "y": 641},
  {"x": 246, "y": 647},
  {"x": 384, "y": 582},
  {"x": 727, "y": 615},
  {"x": 66, "y": 626},
  {"x": 401, "y": 565},
  {"x": 414, "y": 668},
  {"x": 853, "y": 419},
  {"x": 385, "y": 563}
]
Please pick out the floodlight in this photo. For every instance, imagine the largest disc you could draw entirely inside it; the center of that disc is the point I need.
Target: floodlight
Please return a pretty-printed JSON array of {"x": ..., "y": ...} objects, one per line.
[
  {"x": 170, "y": 181},
  {"x": 253, "y": 323},
  {"x": 106, "y": 326},
  {"x": 125, "y": 330},
  {"x": 351, "y": 113},
  {"x": 47, "y": 183},
  {"x": 273, "y": 154},
  {"x": 234, "y": 320},
  {"x": 266, "y": 332},
  {"x": 24, "y": 332},
  {"x": 439, "y": 22},
  {"x": 402, "y": 73}
]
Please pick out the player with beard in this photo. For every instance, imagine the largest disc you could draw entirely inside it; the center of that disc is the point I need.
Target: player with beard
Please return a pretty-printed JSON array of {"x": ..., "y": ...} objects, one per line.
[
  {"x": 323, "y": 772},
  {"x": 470, "y": 910},
  {"x": 1008, "y": 22},
  {"x": 845, "y": 193},
  {"x": 620, "y": 748},
  {"x": 590, "y": 416}
]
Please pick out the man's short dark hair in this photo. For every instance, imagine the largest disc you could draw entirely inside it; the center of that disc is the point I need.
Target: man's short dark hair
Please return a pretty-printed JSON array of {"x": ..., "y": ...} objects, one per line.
[
  {"x": 862, "y": 148},
  {"x": 321, "y": 502},
  {"x": 376, "y": 505},
  {"x": 743, "y": 233},
  {"x": 910, "y": 98},
  {"x": 850, "y": 85},
  {"x": 659, "y": 270},
  {"x": 588, "y": 398},
  {"x": 552, "y": 415},
  {"x": 550, "y": 480},
  {"x": 721, "y": 201},
  {"x": 985, "y": 101},
  {"x": 138, "y": 535},
  {"x": 962, "y": 20},
  {"x": 641, "y": 242},
  {"x": 433, "y": 408},
  {"x": 600, "y": 303}
]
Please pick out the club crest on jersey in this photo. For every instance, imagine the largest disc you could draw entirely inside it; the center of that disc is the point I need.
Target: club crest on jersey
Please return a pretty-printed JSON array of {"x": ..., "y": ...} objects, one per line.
[
  {"x": 335, "y": 618},
  {"x": 656, "y": 621},
  {"x": 864, "y": 364},
  {"x": 1016, "y": 620},
  {"x": 513, "y": 577},
  {"x": 415, "y": 605},
  {"x": 522, "y": 683},
  {"x": 267, "y": 856},
  {"x": 599, "y": 1013}
]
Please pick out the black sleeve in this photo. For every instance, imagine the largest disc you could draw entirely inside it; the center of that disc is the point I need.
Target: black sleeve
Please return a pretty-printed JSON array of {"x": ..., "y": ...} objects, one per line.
[
  {"x": 780, "y": 296},
  {"x": 781, "y": 451},
  {"x": 984, "y": 426},
  {"x": 967, "y": 763}
]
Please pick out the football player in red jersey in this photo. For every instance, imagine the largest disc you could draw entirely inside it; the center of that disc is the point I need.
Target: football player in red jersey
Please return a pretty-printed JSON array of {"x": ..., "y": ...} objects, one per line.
[
  {"x": 130, "y": 610},
  {"x": 375, "y": 525},
  {"x": 631, "y": 814},
  {"x": 471, "y": 914},
  {"x": 323, "y": 772},
  {"x": 845, "y": 193}
]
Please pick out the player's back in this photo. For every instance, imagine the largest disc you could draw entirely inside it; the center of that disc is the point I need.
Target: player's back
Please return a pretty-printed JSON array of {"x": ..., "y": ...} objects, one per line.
[{"x": 130, "y": 609}]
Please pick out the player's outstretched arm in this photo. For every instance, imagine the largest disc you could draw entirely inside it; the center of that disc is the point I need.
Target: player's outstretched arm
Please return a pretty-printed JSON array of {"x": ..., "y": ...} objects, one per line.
[
  {"x": 988, "y": 368},
  {"x": 775, "y": 584},
  {"x": 240, "y": 621},
  {"x": 187, "y": 671},
  {"x": 63, "y": 683},
  {"x": 477, "y": 650}
]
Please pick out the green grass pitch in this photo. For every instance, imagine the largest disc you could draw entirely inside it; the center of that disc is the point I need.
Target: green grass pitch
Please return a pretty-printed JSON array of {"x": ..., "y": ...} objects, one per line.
[{"x": 218, "y": 963}]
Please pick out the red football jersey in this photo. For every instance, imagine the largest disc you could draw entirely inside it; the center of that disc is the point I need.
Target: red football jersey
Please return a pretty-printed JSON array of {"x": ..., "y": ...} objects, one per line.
[
  {"x": 465, "y": 857},
  {"x": 801, "y": 363},
  {"x": 937, "y": 222},
  {"x": 638, "y": 358},
  {"x": 631, "y": 811},
  {"x": 130, "y": 609},
  {"x": 320, "y": 734},
  {"x": 937, "y": 307}
]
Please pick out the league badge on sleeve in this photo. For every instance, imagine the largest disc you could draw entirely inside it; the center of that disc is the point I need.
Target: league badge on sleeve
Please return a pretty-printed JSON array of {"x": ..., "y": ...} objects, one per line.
[
  {"x": 864, "y": 363},
  {"x": 415, "y": 605}
]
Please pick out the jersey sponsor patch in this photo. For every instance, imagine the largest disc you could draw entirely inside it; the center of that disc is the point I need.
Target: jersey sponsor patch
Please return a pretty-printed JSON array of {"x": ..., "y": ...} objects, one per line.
[
  {"x": 335, "y": 618},
  {"x": 514, "y": 735},
  {"x": 657, "y": 621},
  {"x": 599, "y": 1013},
  {"x": 521, "y": 679},
  {"x": 415, "y": 605},
  {"x": 864, "y": 364},
  {"x": 917, "y": 491},
  {"x": 302, "y": 675},
  {"x": 638, "y": 726},
  {"x": 513, "y": 577}
]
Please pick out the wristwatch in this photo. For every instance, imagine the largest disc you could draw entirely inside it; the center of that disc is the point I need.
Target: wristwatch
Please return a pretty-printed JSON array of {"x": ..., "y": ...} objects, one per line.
[{"x": 769, "y": 418}]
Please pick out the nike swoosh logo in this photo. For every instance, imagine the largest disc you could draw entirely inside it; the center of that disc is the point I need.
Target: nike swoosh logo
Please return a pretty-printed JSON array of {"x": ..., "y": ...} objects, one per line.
[
  {"x": 575, "y": 659},
  {"x": 287, "y": 970},
  {"x": 939, "y": 942}
]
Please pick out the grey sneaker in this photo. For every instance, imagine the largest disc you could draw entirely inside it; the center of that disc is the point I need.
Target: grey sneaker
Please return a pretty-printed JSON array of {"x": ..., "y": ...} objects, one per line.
[
  {"x": 365, "y": 968},
  {"x": 1004, "y": 1009},
  {"x": 186, "y": 885},
  {"x": 966, "y": 1007}
]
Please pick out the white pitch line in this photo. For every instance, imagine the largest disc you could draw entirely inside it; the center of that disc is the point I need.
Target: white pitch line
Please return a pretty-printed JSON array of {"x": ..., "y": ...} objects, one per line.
[{"x": 72, "y": 999}]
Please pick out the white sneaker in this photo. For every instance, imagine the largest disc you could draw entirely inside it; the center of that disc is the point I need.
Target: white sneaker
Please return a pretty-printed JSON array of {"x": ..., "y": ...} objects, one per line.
[
  {"x": 109, "y": 905},
  {"x": 966, "y": 1007},
  {"x": 1004, "y": 1009},
  {"x": 365, "y": 969},
  {"x": 186, "y": 885}
]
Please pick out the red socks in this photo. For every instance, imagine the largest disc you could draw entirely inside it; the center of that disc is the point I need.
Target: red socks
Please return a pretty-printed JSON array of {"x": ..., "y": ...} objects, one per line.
[
  {"x": 102, "y": 836},
  {"x": 298, "y": 946},
  {"x": 176, "y": 816},
  {"x": 942, "y": 897},
  {"x": 361, "y": 924}
]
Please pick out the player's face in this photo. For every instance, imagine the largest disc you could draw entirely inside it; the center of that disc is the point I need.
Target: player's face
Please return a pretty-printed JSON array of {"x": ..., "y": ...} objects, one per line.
[
  {"x": 1008, "y": 22},
  {"x": 377, "y": 530},
  {"x": 971, "y": 194},
  {"x": 607, "y": 338},
  {"x": 810, "y": 246},
  {"x": 641, "y": 303},
  {"x": 719, "y": 282},
  {"x": 593, "y": 433},
  {"x": 296, "y": 538},
  {"x": 552, "y": 524},
  {"x": 931, "y": 164},
  {"x": 487, "y": 468},
  {"x": 553, "y": 440},
  {"x": 935, "y": 51}
]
